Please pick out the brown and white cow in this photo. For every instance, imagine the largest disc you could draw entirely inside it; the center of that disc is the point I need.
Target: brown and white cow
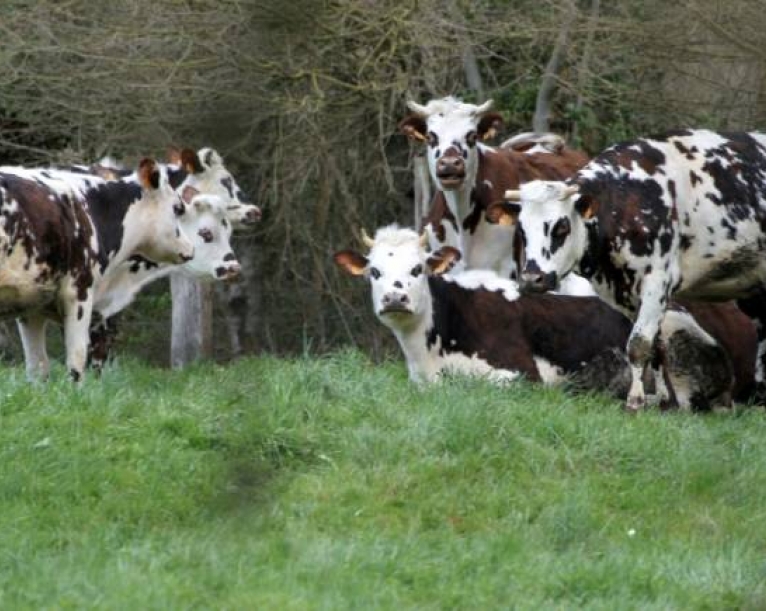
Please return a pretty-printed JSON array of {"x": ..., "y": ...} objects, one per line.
[
  {"x": 217, "y": 206},
  {"x": 477, "y": 323},
  {"x": 677, "y": 215},
  {"x": 60, "y": 234},
  {"x": 470, "y": 176}
]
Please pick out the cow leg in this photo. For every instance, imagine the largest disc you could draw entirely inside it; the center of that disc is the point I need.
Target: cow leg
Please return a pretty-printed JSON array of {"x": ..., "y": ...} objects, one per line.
[
  {"x": 32, "y": 332},
  {"x": 755, "y": 308},
  {"x": 77, "y": 317},
  {"x": 642, "y": 338}
]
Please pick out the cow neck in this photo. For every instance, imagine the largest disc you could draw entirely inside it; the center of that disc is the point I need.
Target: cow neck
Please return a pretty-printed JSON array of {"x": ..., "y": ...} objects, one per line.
[
  {"x": 423, "y": 363},
  {"x": 108, "y": 206}
]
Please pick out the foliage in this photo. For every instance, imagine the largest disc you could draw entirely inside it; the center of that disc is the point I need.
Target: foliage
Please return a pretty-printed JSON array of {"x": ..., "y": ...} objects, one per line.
[
  {"x": 303, "y": 99},
  {"x": 333, "y": 483}
]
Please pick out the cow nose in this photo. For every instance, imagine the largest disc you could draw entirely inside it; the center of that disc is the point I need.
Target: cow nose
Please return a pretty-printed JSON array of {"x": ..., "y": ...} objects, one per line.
[
  {"x": 184, "y": 257},
  {"x": 228, "y": 272},
  {"x": 451, "y": 165},
  {"x": 253, "y": 215},
  {"x": 537, "y": 282},
  {"x": 394, "y": 300}
]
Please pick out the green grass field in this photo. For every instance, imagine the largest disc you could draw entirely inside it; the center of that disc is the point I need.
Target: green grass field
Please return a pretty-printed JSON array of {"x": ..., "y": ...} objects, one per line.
[{"x": 331, "y": 483}]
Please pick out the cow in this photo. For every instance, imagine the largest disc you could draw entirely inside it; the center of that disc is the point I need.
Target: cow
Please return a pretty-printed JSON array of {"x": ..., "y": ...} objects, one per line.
[
  {"x": 470, "y": 176},
  {"x": 209, "y": 225},
  {"x": 193, "y": 175},
  {"x": 61, "y": 234},
  {"x": 678, "y": 215},
  {"x": 477, "y": 323}
]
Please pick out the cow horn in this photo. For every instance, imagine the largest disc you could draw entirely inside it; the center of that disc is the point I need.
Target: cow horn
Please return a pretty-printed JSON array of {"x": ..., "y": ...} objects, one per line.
[
  {"x": 423, "y": 240},
  {"x": 419, "y": 110},
  {"x": 484, "y": 107},
  {"x": 367, "y": 240},
  {"x": 513, "y": 195},
  {"x": 570, "y": 190}
]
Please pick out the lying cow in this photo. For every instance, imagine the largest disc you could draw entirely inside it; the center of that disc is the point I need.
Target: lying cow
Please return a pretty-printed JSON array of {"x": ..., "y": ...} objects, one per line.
[
  {"x": 477, "y": 323},
  {"x": 57, "y": 242},
  {"x": 470, "y": 176},
  {"x": 679, "y": 215}
]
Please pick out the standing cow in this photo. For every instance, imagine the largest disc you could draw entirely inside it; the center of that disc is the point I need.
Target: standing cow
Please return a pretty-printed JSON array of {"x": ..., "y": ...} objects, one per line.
[
  {"x": 470, "y": 176},
  {"x": 682, "y": 214},
  {"x": 61, "y": 234}
]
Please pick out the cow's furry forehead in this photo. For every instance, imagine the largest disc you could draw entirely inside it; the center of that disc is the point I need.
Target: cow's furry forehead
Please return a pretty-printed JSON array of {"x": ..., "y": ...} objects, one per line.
[
  {"x": 542, "y": 191},
  {"x": 450, "y": 105},
  {"x": 394, "y": 236}
]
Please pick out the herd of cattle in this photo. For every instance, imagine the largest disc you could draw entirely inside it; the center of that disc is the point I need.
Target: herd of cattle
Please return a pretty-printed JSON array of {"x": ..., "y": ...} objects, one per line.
[
  {"x": 642, "y": 266},
  {"x": 78, "y": 243},
  {"x": 645, "y": 265}
]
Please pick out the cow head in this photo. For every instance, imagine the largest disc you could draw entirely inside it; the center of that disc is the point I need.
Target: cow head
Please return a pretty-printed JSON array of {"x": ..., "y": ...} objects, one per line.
[
  {"x": 397, "y": 267},
  {"x": 551, "y": 222},
  {"x": 204, "y": 172},
  {"x": 151, "y": 226},
  {"x": 452, "y": 130},
  {"x": 207, "y": 224}
]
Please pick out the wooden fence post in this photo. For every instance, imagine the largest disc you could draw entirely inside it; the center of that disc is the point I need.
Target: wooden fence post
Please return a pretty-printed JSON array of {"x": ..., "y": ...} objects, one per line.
[
  {"x": 191, "y": 338},
  {"x": 422, "y": 188}
]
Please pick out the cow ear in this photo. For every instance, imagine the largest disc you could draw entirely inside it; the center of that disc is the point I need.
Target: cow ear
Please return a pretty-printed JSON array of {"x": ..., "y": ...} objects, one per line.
[
  {"x": 351, "y": 262},
  {"x": 210, "y": 157},
  {"x": 443, "y": 260},
  {"x": 191, "y": 162},
  {"x": 414, "y": 128},
  {"x": 489, "y": 125},
  {"x": 149, "y": 174},
  {"x": 173, "y": 155},
  {"x": 586, "y": 206},
  {"x": 503, "y": 213}
]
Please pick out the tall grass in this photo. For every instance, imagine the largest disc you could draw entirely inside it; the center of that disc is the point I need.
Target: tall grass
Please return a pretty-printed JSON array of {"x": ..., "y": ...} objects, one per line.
[{"x": 332, "y": 483}]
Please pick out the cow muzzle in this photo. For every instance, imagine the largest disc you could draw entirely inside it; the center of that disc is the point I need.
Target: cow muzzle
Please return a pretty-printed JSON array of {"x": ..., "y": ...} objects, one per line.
[
  {"x": 228, "y": 272},
  {"x": 252, "y": 216},
  {"x": 450, "y": 170},
  {"x": 395, "y": 303},
  {"x": 538, "y": 282}
]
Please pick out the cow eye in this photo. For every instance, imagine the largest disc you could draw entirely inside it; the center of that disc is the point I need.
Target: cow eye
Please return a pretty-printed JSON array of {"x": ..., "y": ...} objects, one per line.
[
  {"x": 562, "y": 228},
  {"x": 374, "y": 273},
  {"x": 471, "y": 138},
  {"x": 433, "y": 139},
  {"x": 417, "y": 270}
]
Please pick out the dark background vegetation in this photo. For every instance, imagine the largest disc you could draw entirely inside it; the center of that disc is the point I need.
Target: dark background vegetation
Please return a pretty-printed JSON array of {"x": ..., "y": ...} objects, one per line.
[{"x": 302, "y": 99}]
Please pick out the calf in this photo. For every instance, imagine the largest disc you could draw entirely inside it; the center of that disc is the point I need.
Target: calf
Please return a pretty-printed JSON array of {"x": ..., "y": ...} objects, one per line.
[
  {"x": 470, "y": 176},
  {"x": 682, "y": 214},
  {"x": 477, "y": 323},
  {"x": 61, "y": 234}
]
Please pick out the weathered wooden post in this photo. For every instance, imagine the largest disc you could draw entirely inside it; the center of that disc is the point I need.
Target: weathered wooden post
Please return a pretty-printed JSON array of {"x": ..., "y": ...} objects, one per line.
[
  {"x": 422, "y": 187},
  {"x": 191, "y": 338}
]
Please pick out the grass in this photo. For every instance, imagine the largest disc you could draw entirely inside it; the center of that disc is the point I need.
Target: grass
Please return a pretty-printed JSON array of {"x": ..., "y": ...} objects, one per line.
[{"x": 331, "y": 483}]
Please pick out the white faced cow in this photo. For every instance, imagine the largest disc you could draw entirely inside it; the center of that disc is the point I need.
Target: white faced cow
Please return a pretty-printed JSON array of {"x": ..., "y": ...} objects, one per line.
[
  {"x": 218, "y": 206},
  {"x": 63, "y": 232},
  {"x": 470, "y": 176},
  {"x": 683, "y": 214},
  {"x": 208, "y": 225},
  {"x": 477, "y": 323}
]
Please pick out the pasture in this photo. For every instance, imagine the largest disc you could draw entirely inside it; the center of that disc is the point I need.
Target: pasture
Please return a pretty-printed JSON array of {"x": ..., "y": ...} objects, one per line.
[{"x": 333, "y": 483}]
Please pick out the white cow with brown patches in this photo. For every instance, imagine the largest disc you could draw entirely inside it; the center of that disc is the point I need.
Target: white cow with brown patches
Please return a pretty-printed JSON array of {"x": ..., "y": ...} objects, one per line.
[{"x": 63, "y": 233}]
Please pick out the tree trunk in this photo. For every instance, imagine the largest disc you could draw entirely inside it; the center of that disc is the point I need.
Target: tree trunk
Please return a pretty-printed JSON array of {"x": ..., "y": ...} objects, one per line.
[
  {"x": 542, "y": 117},
  {"x": 191, "y": 338}
]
